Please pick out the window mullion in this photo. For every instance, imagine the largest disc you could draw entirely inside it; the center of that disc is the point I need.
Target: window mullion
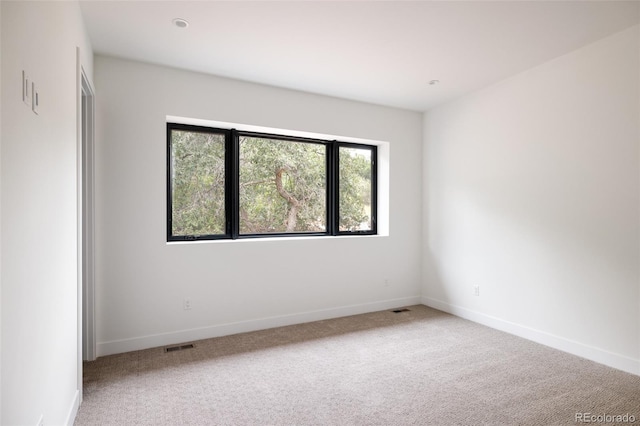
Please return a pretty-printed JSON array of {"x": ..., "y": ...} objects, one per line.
[
  {"x": 332, "y": 188},
  {"x": 233, "y": 187}
]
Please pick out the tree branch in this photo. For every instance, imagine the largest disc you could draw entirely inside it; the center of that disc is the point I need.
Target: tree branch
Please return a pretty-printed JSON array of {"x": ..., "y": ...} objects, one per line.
[{"x": 294, "y": 204}]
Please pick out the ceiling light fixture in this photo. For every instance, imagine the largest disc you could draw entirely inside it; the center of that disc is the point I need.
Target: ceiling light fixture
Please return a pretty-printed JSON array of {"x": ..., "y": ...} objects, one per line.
[
  {"x": 180, "y": 23},
  {"x": 434, "y": 82}
]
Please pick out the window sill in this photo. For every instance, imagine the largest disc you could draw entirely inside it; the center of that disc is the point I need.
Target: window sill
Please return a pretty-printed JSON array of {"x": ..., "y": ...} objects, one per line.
[{"x": 272, "y": 239}]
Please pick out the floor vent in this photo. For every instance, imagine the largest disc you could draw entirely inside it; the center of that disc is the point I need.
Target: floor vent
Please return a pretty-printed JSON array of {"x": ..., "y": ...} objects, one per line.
[
  {"x": 397, "y": 311},
  {"x": 179, "y": 348}
]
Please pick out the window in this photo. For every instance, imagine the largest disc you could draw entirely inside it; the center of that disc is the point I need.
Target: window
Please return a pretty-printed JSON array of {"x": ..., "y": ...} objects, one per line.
[
  {"x": 235, "y": 184},
  {"x": 356, "y": 188},
  {"x": 198, "y": 183},
  {"x": 283, "y": 186}
]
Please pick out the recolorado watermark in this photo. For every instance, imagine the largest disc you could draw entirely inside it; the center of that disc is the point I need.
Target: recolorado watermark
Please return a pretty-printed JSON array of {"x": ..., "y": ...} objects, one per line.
[{"x": 604, "y": 418}]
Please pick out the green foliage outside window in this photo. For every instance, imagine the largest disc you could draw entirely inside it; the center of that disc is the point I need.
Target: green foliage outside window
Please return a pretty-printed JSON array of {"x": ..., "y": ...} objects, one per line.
[
  {"x": 355, "y": 189},
  {"x": 198, "y": 183},
  {"x": 282, "y": 186}
]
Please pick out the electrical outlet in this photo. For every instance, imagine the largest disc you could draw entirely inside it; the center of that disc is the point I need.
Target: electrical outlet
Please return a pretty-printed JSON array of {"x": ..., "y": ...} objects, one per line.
[
  {"x": 476, "y": 290},
  {"x": 26, "y": 89},
  {"x": 386, "y": 282},
  {"x": 186, "y": 304}
]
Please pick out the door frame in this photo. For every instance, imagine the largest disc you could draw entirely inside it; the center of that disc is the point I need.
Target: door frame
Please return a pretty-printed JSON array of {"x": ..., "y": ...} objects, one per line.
[
  {"x": 88, "y": 219},
  {"x": 85, "y": 164}
]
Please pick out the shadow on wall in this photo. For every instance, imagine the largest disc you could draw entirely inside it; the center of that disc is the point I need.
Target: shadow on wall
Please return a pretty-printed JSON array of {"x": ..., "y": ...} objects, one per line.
[
  {"x": 434, "y": 288},
  {"x": 525, "y": 250}
]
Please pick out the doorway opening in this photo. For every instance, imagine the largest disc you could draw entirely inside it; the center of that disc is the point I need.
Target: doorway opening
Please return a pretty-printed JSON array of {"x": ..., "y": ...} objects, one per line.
[{"x": 88, "y": 219}]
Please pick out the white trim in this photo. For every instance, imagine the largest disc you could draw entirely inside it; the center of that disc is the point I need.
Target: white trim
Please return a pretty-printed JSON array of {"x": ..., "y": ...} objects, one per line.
[
  {"x": 79, "y": 222},
  {"x": 155, "y": 340},
  {"x": 620, "y": 362},
  {"x": 87, "y": 212},
  {"x": 271, "y": 239},
  {"x": 73, "y": 410}
]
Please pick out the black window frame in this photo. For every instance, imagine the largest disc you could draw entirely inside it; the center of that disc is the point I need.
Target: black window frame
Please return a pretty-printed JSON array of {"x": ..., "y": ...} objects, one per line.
[
  {"x": 374, "y": 187},
  {"x": 232, "y": 187},
  {"x": 227, "y": 178}
]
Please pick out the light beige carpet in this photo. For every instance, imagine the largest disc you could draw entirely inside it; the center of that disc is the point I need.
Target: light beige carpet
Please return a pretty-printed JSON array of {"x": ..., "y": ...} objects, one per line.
[{"x": 421, "y": 367}]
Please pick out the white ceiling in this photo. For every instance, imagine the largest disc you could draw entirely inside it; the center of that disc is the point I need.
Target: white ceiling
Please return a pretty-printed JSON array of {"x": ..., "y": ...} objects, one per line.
[{"x": 383, "y": 52}]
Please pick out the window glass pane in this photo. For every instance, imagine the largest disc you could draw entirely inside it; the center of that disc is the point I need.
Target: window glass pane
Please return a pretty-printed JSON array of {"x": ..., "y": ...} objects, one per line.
[
  {"x": 197, "y": 183},
  {"x": 282, "y": 186},
  {"x": 355, "y": 189}
]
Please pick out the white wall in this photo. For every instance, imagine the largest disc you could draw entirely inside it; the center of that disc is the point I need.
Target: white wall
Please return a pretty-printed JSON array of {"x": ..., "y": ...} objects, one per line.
[
  {"x": 38, "y": 217},
  {"x": 234, "y": 285},
  {"x": 532, "y": 193}
]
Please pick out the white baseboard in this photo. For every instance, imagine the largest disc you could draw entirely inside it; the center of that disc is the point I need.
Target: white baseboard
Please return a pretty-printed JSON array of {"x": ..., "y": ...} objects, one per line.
[
  {"x": 152, "y": 341},
  {"x": 73, "y": 410},
  {"x": 620, "y": 362}
]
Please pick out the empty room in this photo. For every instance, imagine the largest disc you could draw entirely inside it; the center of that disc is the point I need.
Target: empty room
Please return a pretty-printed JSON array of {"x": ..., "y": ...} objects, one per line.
[{"x": 319, "y": 212}]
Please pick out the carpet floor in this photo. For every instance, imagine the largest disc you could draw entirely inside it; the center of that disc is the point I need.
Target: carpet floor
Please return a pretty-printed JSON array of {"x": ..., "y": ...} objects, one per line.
[{"x": 421, "y": 367}]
